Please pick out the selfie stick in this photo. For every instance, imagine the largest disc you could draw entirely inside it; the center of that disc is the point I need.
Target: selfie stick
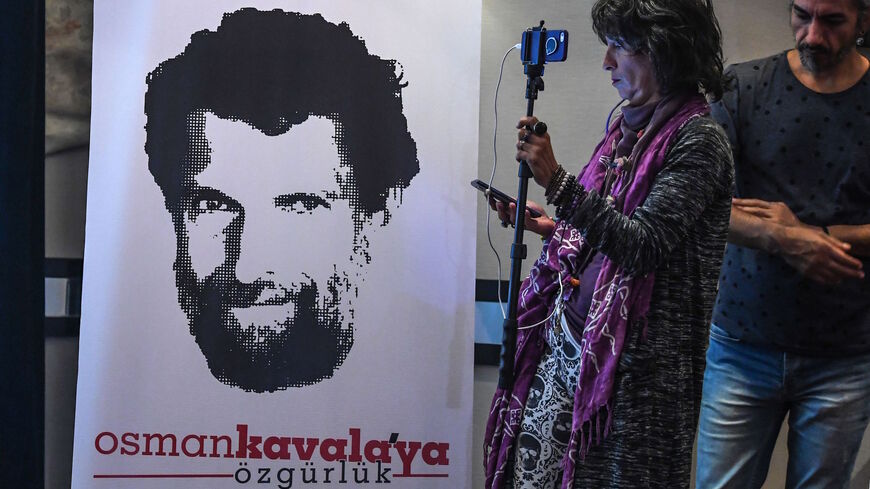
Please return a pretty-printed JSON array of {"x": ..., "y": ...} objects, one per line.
[{"x": 533, "y": 67}]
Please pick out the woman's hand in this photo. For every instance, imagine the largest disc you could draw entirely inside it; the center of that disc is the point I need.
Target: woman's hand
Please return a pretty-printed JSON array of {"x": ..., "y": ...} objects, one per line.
[
  {"x": 536, "y": 151},
  {"x": 539, "y": 225}
]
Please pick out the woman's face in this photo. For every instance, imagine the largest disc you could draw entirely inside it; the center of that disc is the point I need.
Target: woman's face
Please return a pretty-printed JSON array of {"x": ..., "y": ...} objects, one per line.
[{"x": 632, "y": 74}]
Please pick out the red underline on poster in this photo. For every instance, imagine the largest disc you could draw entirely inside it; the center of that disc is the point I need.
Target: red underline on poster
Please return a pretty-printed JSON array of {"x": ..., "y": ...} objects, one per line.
[
  {"x": 162, "y": 476},
  {"x": 421, "y": 475}
]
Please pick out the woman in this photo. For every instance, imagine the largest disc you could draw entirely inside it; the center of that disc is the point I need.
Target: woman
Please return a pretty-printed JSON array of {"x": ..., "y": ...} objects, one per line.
[{"x": 614, "y": 315}]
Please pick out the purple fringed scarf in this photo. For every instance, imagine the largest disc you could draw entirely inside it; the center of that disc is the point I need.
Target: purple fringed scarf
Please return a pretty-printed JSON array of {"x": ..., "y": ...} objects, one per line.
[{"x": 618, "y": 300}]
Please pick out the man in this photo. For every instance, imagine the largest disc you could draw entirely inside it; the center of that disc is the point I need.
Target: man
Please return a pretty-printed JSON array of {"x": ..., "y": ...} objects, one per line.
[
  {"x": 791, "y": 326},
  {"x": 276, "y": 140}
]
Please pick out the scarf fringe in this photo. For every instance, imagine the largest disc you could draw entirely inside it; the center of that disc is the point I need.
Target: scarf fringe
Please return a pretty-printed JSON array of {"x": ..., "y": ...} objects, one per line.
[
  {"x": 591, "y": 431},
  {"x": 581, "y": 442}
]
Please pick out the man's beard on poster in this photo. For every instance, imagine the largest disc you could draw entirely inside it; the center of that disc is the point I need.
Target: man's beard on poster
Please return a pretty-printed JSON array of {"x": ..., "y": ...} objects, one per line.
[{"x": 303, "y": 349}]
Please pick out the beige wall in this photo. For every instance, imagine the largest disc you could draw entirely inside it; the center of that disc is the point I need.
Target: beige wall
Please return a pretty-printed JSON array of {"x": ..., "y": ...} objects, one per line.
[
  {"x": 575, "y": 104},
  {"x": 578, "y": 95}
]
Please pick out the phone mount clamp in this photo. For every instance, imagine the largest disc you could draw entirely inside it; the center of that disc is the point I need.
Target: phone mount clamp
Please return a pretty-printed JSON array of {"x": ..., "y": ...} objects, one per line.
[{"x": 533, "y": 57}]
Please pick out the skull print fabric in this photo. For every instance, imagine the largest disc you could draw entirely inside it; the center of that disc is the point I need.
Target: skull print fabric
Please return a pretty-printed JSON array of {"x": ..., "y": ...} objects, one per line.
[{"x": 546, "y": 426}]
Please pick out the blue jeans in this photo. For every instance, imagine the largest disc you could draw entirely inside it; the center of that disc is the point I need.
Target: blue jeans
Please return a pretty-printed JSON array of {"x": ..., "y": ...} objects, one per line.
[{"x": 747, "y": 392}]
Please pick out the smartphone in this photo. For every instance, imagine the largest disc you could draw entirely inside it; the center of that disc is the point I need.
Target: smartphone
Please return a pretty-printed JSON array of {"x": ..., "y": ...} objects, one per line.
[
  {"x": 555, "y": 46},
  {"x": 500, "y": 196}
]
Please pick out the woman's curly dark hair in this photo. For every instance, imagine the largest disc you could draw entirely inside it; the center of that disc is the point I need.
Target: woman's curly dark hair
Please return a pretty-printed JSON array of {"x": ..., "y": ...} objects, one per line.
[{"x": 681, "y": 37}]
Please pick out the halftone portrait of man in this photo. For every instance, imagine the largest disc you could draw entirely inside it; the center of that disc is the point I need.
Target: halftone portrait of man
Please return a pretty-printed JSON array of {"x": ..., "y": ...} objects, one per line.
[{"x": 275, "y": 140}]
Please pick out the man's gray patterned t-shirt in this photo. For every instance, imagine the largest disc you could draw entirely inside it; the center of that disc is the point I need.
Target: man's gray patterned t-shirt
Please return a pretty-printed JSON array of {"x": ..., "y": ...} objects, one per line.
[{"x": 812, "y": 152}]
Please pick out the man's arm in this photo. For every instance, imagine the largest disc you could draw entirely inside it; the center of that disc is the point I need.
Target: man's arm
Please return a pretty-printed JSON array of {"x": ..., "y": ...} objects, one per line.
[
  {"x": 857, "y": 236},
  {"x": 750, "y": 230},
  {"x": 773, "y": 228}
]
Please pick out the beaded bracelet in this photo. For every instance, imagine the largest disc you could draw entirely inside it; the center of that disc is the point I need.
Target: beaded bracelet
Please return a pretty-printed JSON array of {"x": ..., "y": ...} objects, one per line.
[
  {"x": 559, "y": 187},
  {"x": 555, "y": 182},
  {"x": 570, "y": 198}
]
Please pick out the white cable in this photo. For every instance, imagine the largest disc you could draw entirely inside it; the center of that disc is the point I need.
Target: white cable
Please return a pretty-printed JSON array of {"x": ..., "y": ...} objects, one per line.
[
  {"x": 558, "y": 303},
  {"x": 492, "y": 176},
  {"x": 490, "y": 211}
]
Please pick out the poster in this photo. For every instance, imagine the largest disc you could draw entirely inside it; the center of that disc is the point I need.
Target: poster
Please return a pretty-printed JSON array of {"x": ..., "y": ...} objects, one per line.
[{"x": 279, "y": 265}]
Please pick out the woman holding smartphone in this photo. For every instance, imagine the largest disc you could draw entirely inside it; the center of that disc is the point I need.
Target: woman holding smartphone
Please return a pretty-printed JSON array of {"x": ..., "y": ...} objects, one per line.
[{"x": 614, "y": 315}]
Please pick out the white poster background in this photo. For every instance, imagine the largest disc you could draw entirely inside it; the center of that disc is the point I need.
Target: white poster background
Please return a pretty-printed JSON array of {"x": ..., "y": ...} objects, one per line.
[{"x": 410, "y": 369}]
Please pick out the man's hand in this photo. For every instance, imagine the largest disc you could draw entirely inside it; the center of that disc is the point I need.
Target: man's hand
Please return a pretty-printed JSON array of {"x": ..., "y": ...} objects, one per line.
[
  {"x": 776, "y": 212},
  {"x": 816, "y": 255},
  {"x": 773, "y": 227},
  {"x": 540, "y": 225}
]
